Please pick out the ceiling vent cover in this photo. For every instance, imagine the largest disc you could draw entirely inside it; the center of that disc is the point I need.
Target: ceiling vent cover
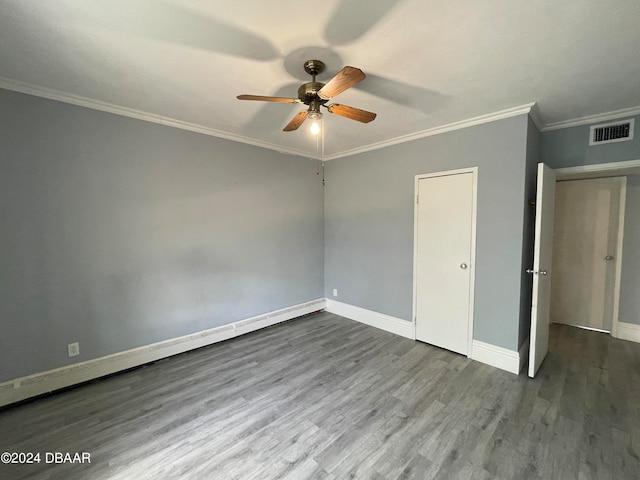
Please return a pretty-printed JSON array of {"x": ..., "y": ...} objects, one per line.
[{"x": 619, "y": 131}]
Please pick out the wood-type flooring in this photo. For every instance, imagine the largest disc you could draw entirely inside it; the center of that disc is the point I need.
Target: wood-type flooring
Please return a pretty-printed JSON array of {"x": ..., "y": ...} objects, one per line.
[{"x": 323, "y": 397}]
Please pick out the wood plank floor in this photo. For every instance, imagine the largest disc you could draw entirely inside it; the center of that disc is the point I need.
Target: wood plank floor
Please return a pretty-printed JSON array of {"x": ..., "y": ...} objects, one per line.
[{"x": 323, "y": 397}]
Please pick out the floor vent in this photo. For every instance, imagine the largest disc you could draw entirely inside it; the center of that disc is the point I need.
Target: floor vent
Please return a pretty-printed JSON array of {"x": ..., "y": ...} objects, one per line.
[{"x": 619, "y": 131}]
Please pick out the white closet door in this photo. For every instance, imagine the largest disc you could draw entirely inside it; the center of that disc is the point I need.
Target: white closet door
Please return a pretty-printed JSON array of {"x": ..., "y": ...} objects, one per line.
[{"x": 443, "y": 260}]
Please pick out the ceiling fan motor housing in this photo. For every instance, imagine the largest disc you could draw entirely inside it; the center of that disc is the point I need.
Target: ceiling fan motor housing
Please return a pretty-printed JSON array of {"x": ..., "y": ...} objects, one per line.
[{"x": 308, "y": 92}]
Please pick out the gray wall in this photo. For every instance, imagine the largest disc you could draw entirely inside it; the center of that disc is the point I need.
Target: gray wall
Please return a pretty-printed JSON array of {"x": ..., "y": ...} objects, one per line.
[
  {"x": 533, "y": 157},
  {"x": 369, "y": 202},
  {"x": 118, "y": 233},
  {"x": 570, "y": 148},
  {"x": 630, "y": 284}
]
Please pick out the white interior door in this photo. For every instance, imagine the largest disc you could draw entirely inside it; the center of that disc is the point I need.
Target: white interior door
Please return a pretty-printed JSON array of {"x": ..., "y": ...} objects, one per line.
[
  {"x": 444, "y": 267},
  {"x": 543, "y": 249},
  {"x": 585, "y": 244}
]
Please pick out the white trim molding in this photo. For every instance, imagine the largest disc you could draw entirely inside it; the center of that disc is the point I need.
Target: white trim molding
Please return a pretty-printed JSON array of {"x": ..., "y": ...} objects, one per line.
[
  {"x": 628, "y": 331},
  {"x": 600, "y": 117},
  {"x": 481, "y": 352},
  {"x": 573, "y": 173},
  {"x": 40, "y": 383},
  {"x": 499, "y": 357},
  {"x": 529, "y": 108},
  {"x": 617, "y": 281},
  {"x": 64, "y": 97},
  {"x": 488, "y": 118},
  {"x": 384, "y": 322},
  {"x": 536, "y": 117}
]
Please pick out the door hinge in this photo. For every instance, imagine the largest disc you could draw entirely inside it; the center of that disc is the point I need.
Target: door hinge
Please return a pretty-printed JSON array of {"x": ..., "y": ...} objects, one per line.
[{"x": 418, "y": 199}]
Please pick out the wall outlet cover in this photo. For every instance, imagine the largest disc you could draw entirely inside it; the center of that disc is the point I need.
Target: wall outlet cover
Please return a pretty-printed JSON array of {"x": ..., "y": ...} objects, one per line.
[
  {"x": 73, "y": 349},
  {"x": 335, "y": 292}
]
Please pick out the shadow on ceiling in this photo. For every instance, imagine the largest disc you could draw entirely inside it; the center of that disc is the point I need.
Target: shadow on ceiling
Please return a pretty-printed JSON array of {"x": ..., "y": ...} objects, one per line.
[{"x": 175, "y": 24}]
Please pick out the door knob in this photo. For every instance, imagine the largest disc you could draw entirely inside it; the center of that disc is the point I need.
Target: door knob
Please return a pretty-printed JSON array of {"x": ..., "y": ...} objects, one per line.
[
  {"x": 609, "y": 257},
  {"x": 463, "y": 266}
]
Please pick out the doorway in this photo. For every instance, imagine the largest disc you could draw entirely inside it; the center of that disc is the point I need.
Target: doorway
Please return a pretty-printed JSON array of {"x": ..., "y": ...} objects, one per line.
[
  {"x": 587, "y": 248},
  {"x": 539, "y": 343}
]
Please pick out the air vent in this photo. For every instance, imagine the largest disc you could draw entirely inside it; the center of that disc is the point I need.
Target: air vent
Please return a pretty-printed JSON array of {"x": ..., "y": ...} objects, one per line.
[{"x": 619, "y": 131}]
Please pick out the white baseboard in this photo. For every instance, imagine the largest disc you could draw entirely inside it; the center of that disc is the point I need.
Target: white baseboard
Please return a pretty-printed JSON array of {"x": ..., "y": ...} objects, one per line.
[
  {"x": 482, "y": 352},
  {"x": 628, "y": 331},
  {"x": 44, "y": 382},
  {"x": 499, "y": 357},
  {"x": 371, "y": 318}
]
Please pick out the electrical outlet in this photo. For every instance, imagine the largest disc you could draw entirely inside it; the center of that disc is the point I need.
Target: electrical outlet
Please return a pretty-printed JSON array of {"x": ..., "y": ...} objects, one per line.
[
  {"x": 73, "y": 349},
  {"x": 335, "y": 292}
]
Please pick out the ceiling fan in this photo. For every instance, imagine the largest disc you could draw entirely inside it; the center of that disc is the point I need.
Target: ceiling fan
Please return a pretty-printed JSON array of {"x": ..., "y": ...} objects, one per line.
[{"x": 317, "y": 94}]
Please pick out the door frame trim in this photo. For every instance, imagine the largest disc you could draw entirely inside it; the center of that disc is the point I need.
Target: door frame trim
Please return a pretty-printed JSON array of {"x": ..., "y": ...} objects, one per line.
[
  {"x": 569, "y": 173},
  {"x": 612, "y": 169},
  {"x": 617, "y": 285},
  {"x": 472, "y": 262}
]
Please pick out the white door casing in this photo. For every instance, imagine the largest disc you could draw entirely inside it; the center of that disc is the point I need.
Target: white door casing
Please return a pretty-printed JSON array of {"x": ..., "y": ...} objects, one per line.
[
  {"x": 541, "y": 271},
  {"x": 444, "y": 258},
  {"x": 631, "y": 167}
]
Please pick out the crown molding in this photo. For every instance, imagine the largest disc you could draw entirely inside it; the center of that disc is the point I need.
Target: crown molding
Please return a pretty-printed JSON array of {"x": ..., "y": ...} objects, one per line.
[
  {"x": 86, "y": 102},
  {"x": 93, "y": 104},
  {"x": 491, "y": 117},
  {"x": 590, "y": 119},
  {"x": 536, "y": 117},
  {"x": 530, "y": 108}
]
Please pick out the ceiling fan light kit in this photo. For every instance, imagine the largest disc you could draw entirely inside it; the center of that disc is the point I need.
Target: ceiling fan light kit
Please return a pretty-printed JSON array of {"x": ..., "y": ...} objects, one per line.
[
  {"x": 316, "y": 118},
  {"x": 316, "y": 94}
]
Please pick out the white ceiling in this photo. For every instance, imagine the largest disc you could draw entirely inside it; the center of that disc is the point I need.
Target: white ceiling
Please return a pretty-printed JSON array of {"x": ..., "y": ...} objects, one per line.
[{"x": 428, "y": 63}]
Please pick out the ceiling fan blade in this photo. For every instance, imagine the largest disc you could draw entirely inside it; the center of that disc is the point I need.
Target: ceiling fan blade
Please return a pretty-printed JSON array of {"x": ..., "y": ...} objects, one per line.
[
  {"x": 269, "y": 114},
  {"x": 296, "y": 121},
  {"x": 346, "y": 78},
  {"x": 268, "y": 99},
  {"x": 351, "y": 112}
]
